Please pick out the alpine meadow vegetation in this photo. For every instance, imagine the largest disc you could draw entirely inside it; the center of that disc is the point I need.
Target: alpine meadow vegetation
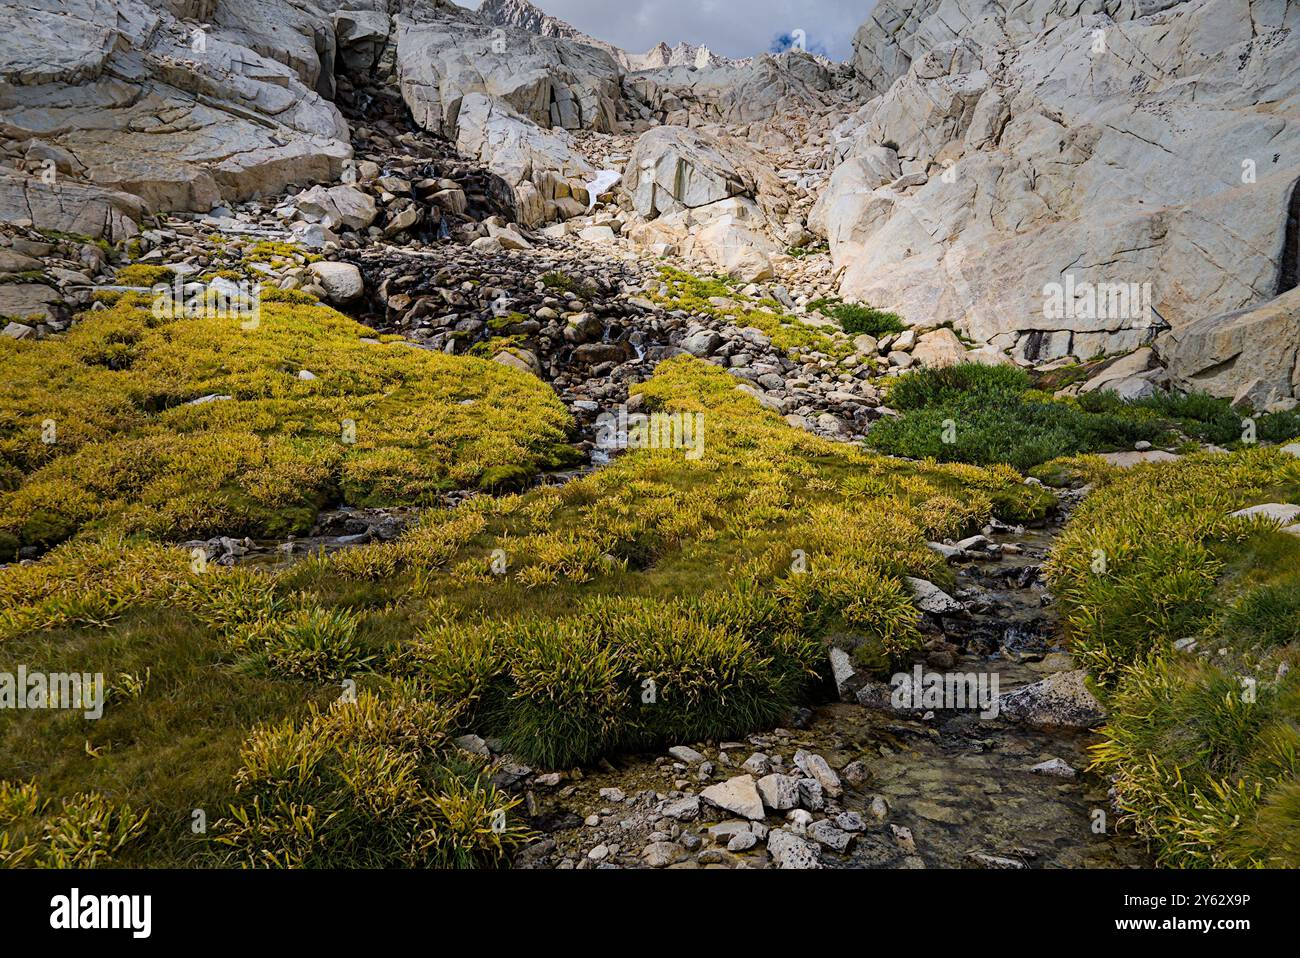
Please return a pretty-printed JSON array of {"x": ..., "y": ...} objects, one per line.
[
  {"x": 1186, "y": 618},
  {"x": 656, "y": 572}
]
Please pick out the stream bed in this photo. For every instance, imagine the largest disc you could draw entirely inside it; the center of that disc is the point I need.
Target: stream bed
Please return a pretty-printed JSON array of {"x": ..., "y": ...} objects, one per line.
[{"x": 945, "y": 789}]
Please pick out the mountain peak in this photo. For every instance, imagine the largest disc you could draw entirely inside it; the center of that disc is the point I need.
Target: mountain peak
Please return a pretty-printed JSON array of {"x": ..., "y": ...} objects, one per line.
[
  {"x": 523, "y": 15},
  {"x": 526, "y": 16}
]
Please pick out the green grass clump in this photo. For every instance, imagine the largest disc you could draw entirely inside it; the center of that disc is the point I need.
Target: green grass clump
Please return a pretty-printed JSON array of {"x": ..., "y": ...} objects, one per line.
[
  {"x": 82, "y": 831},
  {"x": 23, "y": 276},
  {"x": 144, "y": 275},
  {"x": 97, "y": 433},
  {"x": 277, "y": 254},
  {"x": 295, "y": 297},
  {"x": 621, "y": 673},
  {"x": 1206, "y": 776},
  {"x": 856, "y": 319},
  {"x": 1163, "y": 539},
  {"x": 1269, "y": 615},
  {"x": 564, "y": 695},
  {"x": 87, "y": 583},
  {"x": 310, "y": 643},
  {"x": 564, "y": 283},
  {"x": 1203, "y": 746},
  {"x": 511, "y": 478},
  {"x": 799, "y": 252}
]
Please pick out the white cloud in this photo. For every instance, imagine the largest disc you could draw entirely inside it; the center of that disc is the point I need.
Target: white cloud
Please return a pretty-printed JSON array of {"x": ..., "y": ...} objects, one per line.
[{"x": 734, "y": 28}]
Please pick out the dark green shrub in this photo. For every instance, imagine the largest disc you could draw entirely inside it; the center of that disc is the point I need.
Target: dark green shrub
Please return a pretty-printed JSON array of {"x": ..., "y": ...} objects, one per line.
[
  {"x": 1199, "y": 415},
  {"x": 936, "y": 387},
  {"x": 855, "y": 319},
  {"x": 1009, "y": 430},
  {"x": 1279, "y": 427}
]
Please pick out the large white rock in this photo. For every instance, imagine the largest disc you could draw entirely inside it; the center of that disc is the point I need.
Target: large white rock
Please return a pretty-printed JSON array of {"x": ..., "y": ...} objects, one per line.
[
  {"x": 521, "y": 359},
  {"x": 1282, "y": 513},
  {"x": 1062, "y": 700},
  {"x": 1126, "y": 367},
  {"x": 181, "y": 120},
  {"x": 779, "y": 792},
  {"x": 738, "y": 795},
  {"x": 538, "y": 165},
  {"x": 1127, "y": 460},
  {"x": 737, "y": 251},
  {"x": 28, "y": 301},
  {"x": 696, "y": 194},
  {"x": 789, "y": 851},
  {"x": 69, "y": 206},
  {"x": 817, "y": 768},
  {"x": 600, "y": 235},
  {"x": 939, "y": 348},
  {"x": 362, "y": 38},
  {"x": 342, "y": 282},
  {"x": 336, "y": 207},
  {"x": 1109, "y": 143},
  {"x": 1251, "y": 356},
  {"x": 932, "y": 599},
  {"x": 672, "y": 168}
]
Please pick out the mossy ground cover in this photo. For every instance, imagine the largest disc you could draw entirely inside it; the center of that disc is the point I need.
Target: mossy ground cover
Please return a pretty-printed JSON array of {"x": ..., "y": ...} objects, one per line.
[
  {"x": 1203, "y": 743},
  {"x": 661, "y": 599},
  {"x": 986, "y": 415},
  {"x": 99, "y": 432}
]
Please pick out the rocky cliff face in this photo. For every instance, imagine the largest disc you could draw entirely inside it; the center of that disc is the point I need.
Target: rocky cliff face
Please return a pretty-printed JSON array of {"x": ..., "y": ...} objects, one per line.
[
  {"x": 142, "y": 98},
  {"x": 522, "y": 15},
  {"x": 1014, "y": 156},
  {"x": 116, "y": 108},
  {"x": 445, "y": 53}
]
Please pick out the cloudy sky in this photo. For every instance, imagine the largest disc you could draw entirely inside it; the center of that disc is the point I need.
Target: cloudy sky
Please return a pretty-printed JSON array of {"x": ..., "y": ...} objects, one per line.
[{"x": 733, "y": 28}]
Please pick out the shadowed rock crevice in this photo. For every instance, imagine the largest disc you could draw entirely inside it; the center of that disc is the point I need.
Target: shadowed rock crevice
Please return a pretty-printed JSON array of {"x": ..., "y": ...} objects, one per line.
[{"x": 1289, "y": 270}]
